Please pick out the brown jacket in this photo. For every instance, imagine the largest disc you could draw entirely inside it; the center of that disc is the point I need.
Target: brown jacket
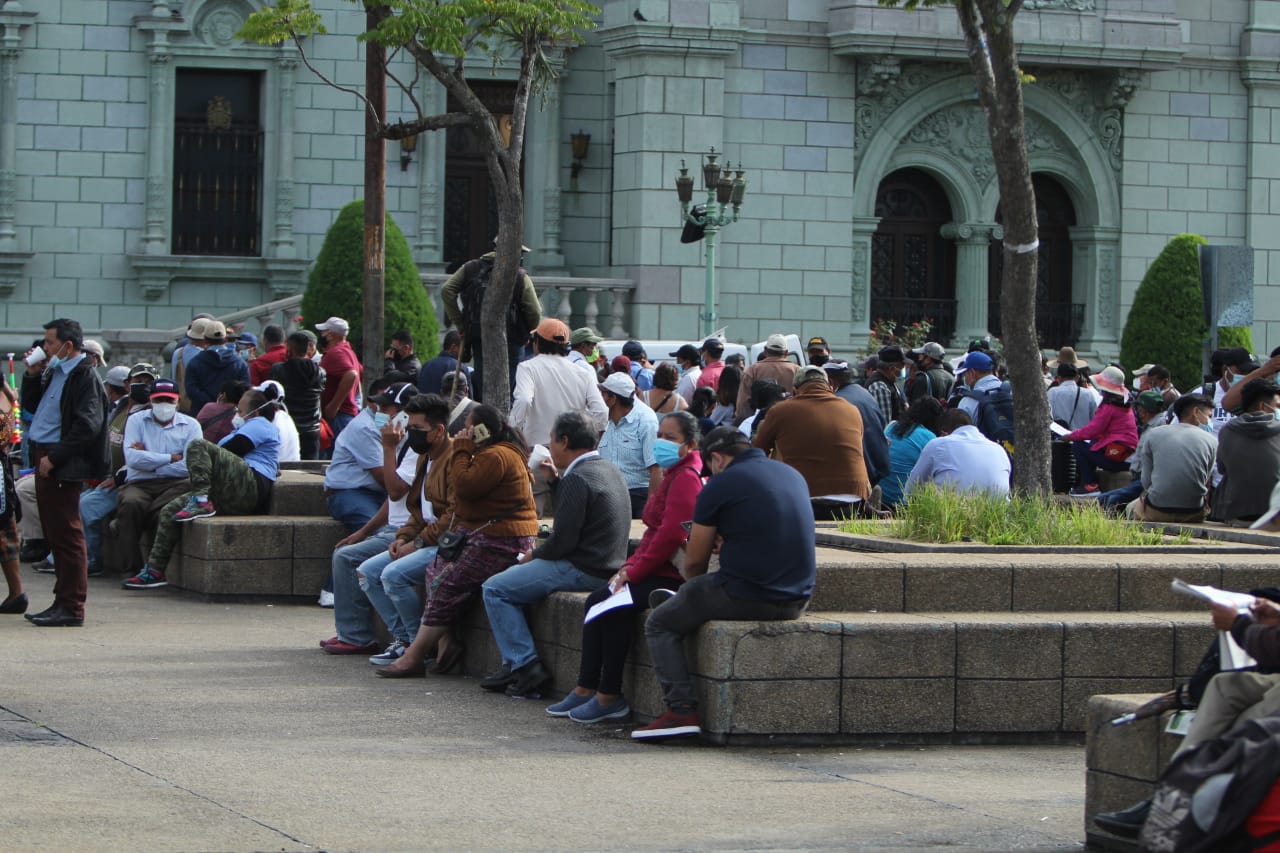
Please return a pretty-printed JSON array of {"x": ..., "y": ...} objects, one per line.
[
  {"x": 820, "y": 435},
  {"x": 775, "y": 367},
  {"x": 437, "y": 477},
  {"x": 490, "y": 482}
]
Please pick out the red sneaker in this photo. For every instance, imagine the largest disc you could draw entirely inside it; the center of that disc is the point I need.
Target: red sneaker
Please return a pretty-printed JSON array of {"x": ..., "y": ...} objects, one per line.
[
  {"x": 671, "y": 723},
  {"x": 339, "y": 647}
]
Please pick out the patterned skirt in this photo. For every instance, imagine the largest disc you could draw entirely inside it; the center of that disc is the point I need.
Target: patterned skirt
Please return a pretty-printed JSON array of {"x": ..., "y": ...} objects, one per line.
[{"x": 449, "y": 586}]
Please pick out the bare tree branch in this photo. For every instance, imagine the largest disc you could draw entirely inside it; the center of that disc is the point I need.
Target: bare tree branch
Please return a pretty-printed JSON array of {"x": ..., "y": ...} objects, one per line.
[
  {"x": 401, "y": 129},
  {"x": 307, "y": 62},
  {"x": 408, "y": 90}
]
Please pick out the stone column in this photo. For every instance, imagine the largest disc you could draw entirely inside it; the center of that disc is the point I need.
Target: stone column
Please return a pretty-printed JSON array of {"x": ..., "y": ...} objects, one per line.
[
  {"x": 973, "y": 242},
  {"x": 12, "y": 260},
  {"x": 282, "y": 242},
  {"x": 864, "y": 227},
  {"x": 550, "y": 256},
  {"x": 430, "y": 165},
  {"x": 155, "y": 235},
  {"x": 1094, "y": 278},
  {"x": 1259, "y": 47}
]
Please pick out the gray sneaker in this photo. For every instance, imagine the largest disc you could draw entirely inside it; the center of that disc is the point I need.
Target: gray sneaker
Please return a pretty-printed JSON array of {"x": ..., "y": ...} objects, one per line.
[{"x": 394, "y": 652}]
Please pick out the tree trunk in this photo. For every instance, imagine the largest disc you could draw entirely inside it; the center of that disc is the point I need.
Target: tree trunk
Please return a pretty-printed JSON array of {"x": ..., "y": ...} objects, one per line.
[
  {"x": 501, "y": 290},
  {"x": 988, "y": 28},
  {"x": 375, "y": 202}
]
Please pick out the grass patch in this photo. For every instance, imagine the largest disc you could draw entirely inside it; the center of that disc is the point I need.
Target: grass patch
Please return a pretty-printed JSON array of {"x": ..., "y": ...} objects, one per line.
[{"x": 941, "y": 516}]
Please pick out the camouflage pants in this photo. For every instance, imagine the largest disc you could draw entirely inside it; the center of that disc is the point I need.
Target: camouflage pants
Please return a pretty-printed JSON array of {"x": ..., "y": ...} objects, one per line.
[{"x": 226, "y": 478}]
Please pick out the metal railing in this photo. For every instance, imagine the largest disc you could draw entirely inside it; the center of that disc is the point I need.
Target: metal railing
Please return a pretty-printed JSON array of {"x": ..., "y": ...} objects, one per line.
[{"x": 1058, "y": 324}]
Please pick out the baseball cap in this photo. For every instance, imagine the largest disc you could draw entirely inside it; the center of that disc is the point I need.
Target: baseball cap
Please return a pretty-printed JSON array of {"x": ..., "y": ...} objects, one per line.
[
  {"x": 633, "y": 350},
  {"x": 687, "y": 352},
  {"x": 835, "y": 366},
  {"x": 620, "y": 364},
  {"x": 310, "y": 334},
  {"x": 619, "y": 384},
  {"x": 334, "y": 324},
  {"x": 195, "y": 332},
  {"x": 1152, "y": 401},
  {"x": 143, "y": 369},
  {"x": 584, "y": 336},
  {"x": 817, "y": 341},
  {"x": 931, "y": 350},
  {"x": 1144, "y": 370},
  {"x": 776, "y": 343},
  {"x": 215, "y": 331},
  {"x": 976, "y": 360},
  {"x": 94, "y": 348},
  {"x": 117, "y": 376},
  {"x": 551, "y": 329},
  {"x": 891, "y": 355},
  {"x": 720, "y": 438},
  {"x": 809, "y": 373},
  {"x": 271, "y": 385},
  {"x": 396, "y": 394},
  {"x": 164, "y": 389},
  {"x": 715, "y": 346},
  {"x": 247, "y": 339}
]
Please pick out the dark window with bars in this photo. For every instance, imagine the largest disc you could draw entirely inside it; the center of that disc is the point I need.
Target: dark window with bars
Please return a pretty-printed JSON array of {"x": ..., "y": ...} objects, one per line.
[{"x": 217, "y": 163}]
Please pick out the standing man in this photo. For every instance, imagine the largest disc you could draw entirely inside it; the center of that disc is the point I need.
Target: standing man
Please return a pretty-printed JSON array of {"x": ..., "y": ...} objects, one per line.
[
  {"x": 341, "y": 374},
  {"x": 774, "y": 365},
  {"x": 400, "y": 363},
  {"x": 932, "y": 378},
  {"x": 641, "y": 368},
  {"x": 690, "y": 364},
  {"x": 767, "y": 571},
  {"x": 628, "y": 439},
  {"x": 274, "y": 353},
  {"x": 68, "y": 438},
  {"x": 883, "y": 382},
  {"x": 582, "y": 349},
  {"x": 818, "y": 350},
  {"x": 712, "y": 350},
  {"x": 431, "y": 375}
]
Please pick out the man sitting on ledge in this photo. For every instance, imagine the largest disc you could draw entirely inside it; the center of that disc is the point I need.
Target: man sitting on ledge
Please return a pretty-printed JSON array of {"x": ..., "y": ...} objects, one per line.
[{"x": 757, "y": 512}]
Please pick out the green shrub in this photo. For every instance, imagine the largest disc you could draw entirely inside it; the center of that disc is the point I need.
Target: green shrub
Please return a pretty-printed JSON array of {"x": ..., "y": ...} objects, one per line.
[
  {"x": 336, "y": 285},
  {"x": 932, "y": 514},
  {"x": 1166, "y": 323},
  {"x": 1235, "y": 336}
]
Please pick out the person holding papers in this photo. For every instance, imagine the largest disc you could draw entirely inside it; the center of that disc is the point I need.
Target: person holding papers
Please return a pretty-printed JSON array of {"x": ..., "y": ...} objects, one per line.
[
  {"x": 606, "y": 638},
  {"x": 1232, "y": 697}
]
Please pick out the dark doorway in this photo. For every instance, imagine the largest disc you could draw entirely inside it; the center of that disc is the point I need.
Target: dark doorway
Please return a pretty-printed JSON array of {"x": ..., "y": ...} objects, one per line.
[
  {"x": 912, "y": 266},
  {"x": 470, "y": 212},
  {"x": 1058, "y": 319},
  {"x": 217, "y": 163}
]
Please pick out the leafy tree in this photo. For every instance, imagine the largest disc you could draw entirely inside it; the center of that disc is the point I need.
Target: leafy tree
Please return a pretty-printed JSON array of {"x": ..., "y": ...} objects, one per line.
[
  {"x": 993, "y": 59},
  {"x": 439, "y": 35},
  {"x": 334, "y": 285},
  {"x": 1166, "y": 323},
  {"x": 1235, "y": 336}
]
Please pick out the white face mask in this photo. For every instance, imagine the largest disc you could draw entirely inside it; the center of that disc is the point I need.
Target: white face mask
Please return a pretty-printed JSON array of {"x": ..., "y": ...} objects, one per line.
[
  {"x": 237, "y": 421},
  {"x": 163, "y": 412}
]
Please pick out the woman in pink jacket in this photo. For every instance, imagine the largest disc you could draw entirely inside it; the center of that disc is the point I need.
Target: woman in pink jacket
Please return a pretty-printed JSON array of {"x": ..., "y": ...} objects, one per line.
[
  {"x": 1109, "y": 439},
  {"x": 606, "y": 640}
]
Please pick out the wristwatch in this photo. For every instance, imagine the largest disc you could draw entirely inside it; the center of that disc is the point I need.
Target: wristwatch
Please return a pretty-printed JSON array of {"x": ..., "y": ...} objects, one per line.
[{"x": 418, "y": 543}]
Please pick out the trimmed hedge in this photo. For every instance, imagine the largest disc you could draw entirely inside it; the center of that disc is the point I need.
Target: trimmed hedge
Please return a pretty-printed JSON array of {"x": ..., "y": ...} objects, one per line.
[
  {"x": 1166, "y": 323},
  {"x": 1235, "y": 336},
  {"x": 336, "y": 285}
]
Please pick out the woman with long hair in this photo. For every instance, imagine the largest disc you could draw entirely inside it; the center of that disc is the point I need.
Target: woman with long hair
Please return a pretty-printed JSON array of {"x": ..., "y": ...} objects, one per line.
[
  {"x": 915, "y": 427},
  {"x": 662, "y": 398},
  {"x": 726, "y": 397}
]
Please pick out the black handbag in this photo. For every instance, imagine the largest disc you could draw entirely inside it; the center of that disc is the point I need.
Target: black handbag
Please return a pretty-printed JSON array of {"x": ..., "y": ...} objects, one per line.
[{"x": 450, "y": 543}]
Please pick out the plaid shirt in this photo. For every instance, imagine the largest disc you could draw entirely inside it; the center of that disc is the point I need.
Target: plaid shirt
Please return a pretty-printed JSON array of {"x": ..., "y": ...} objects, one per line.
[{"x": 888, "y": 397}]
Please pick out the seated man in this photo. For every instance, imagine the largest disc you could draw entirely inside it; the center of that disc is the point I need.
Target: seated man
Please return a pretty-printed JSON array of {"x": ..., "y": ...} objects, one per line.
[
  {"x": 233, "y": 477},
  {"x": 1249, "y": 455},
  {"x": 1232, "y": 697},
  {"x": 767, "y": 571},
  {"x": 155, "y": 445},
  {"x": 1177, "y": 461},
  {"x": 352, "y": 612},
  {"x": 588, "y": 543},
  {"x": 961, "y": 458},
  {"x": 820, "y": 435},
  {"x": 628, "y": 438}
]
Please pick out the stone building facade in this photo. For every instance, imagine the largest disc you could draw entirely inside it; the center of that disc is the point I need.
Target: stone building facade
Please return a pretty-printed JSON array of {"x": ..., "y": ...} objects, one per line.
[{"x": 872, "y": 190}]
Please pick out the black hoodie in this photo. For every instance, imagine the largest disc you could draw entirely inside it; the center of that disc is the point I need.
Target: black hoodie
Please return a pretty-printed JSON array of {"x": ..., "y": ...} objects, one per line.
[{"x": 1249, "y": 458}]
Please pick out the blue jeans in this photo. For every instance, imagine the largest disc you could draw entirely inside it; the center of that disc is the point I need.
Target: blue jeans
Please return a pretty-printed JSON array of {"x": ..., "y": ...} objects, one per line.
[
  {"x": 95, "y": 505},
  {"x": 352, "y": 613},
  {"x": 395, "y": 589},
  {"x": 1117, "y": 499},
  {"x": 506, "y": 593},
  {"x": 354, "y": 507}
]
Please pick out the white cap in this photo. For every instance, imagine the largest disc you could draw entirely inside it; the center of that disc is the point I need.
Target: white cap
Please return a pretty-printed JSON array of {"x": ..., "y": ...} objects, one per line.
[
  {"x": 118, "y": 376},
  {"x": 619, "y": 384},
  {"x": 94, "y": 348},
  {"x": 271, "y": 383},
  {"x": 776, "y": 343},
  {"x": 334, "y": 324}
]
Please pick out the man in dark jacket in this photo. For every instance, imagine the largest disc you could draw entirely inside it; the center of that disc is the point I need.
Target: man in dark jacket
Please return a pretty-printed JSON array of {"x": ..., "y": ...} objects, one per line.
[
  {"x": 400, "y": 363},
  {"x": 875, "y": 447},
  {"x": 213, "y": 368},
  {"x": 68, "y": 437},
  {"x": 1249, "y": 455},
  {"x": 302, "y": 380}
]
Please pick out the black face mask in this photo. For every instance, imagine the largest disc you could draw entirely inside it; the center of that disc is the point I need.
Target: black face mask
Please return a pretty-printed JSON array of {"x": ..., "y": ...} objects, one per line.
[
  {"x": 140, "y": 392},
  {"x": 819, "y": 359},
  {"x": 419, "y": 440}
]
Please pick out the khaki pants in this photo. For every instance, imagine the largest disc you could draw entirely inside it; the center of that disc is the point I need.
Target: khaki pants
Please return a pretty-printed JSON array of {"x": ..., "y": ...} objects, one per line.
[
  {"x": 1230, "y": 699},
  {"x": 1140, "y": 510},
  {"x": 29, "y": 528}
]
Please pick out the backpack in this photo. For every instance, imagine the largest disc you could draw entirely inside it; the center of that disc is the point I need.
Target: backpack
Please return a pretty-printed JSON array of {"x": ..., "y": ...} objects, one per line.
[
  {"x": 1205, "y": 795},
  {"x": 478, "y": 272},
  {"x": 994, "y": 417}
]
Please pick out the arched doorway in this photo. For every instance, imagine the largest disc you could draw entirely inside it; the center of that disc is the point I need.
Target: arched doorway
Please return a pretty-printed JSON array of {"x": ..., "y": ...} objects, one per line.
[
  {"x": 1058, "y": 319},
  {"x": 912, "y": 266}
]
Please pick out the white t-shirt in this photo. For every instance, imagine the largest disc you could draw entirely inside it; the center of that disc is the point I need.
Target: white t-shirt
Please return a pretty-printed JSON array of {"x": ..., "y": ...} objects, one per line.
[
  {"x": 290, "y": 448},
  {"x": 398, "y": 510}
]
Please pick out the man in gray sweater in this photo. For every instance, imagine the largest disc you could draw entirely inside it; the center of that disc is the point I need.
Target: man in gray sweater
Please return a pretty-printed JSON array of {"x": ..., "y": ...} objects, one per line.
[
  {"x": 586, "y": 547},
  {"x": 1176, "y": 463}
]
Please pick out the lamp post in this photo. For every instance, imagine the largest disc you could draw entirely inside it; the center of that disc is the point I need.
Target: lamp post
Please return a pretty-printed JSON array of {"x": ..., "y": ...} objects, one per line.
[{"x": 706, "y": 220}]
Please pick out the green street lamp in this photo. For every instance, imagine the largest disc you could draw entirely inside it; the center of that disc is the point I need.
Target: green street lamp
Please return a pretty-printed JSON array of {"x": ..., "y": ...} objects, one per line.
[{"x": 706, "y": 220}]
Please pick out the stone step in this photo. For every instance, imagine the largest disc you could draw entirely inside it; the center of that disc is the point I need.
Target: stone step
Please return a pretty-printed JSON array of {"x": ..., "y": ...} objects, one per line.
[
  {"x": 255, "y": 555},
  {"x": 1122, "y": 763},
  {"x": 890, "y": 677}
]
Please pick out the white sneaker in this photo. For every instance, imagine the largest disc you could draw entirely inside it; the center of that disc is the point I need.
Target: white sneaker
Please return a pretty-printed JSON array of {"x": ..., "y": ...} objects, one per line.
[
  {"x": 326, "y": 598},
  {"x": 394, "y": 652}
]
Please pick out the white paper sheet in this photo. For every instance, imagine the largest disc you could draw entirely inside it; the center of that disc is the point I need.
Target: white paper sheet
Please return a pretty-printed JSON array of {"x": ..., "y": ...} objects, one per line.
[
  {"x": 1058, "y": 429},
  {"x": 621, "y": 598},
  {"x": 1239, "y": 600}
]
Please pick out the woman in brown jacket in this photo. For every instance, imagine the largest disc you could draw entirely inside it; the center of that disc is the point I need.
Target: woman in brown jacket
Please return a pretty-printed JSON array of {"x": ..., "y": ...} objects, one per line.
[{"x": 493, "y": 506}]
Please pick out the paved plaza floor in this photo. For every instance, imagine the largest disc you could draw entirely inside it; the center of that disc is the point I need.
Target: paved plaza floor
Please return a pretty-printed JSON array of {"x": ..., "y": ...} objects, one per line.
[{"x": 167, "y": 723}]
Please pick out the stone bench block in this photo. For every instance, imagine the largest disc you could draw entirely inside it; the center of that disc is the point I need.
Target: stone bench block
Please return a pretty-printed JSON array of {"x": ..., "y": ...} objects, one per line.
[
  {"x": 1064, "y": 585},
  {"x": 844, "y": 587},
  {"x": 999, "y": 705},
  {"x": 270, "y": 576},
  {"x": 1008, "y": 646},
  {"x": 1076, "y": 693},
  {"x": 314, "y": 540},
  {"x": 801, "y": 707},
  {"x": 807, "y": 648},
  {"x": 889, "y": 706},
  {"x": 1147, "y": 587},
  {"x": 298, "y": 493},
  {"x": 1246, "y": 575},
  {"x": 947, "y": 588},
  {"x": 1118, "y": 645},
  {"x": 897, "y": 646},
  {"x": 243, "y": 537}
]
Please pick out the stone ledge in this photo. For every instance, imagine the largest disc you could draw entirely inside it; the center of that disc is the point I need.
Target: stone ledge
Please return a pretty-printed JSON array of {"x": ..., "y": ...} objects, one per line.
[{"x": 255, "y": 555}]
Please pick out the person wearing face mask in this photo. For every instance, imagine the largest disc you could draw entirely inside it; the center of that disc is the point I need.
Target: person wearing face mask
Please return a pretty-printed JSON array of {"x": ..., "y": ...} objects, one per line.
[
  {"x": 1109, "y": 438},
  {"x": 354, "y": 483},
  {"x": 1177, "y": 462},
  {"x": 587, "y": 545},
  {"x": 1249, "y": 456},
  {"x": 606, "y": 640},
  {"x": 155, "y": 469},
  {"x": 819, "y": 350},
  {"x": 278, "y": 413},
  {"x": 883, "y": 382},
  {"x": 209, "y": 371},
  {"x": 215, "y": 417},
  {"x": 68, "y": 440},
  {"x": 582, "y": 349},
  {"x": 232, "y": 477},
  {"x": 756, "y": 511},
  {"x": 689, "y": 361}
]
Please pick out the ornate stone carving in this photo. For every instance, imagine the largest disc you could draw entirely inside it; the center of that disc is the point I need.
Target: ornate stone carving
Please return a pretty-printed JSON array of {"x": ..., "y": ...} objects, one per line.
[
  {"x": 877, "y": 74},
  {"x": 1099, "y": 101},
  {"x": 1067, "y": 5},
  {"x": 861, "y": 274},
  {"x": 884, "y": 85},
  {"x": 961, "y": 130},
  {"x": 1106, "y": 287},
  {"x": 551, "y": 218},
  {"x": 219, "y": 27},
  {"x": 1122, "y": 88}
]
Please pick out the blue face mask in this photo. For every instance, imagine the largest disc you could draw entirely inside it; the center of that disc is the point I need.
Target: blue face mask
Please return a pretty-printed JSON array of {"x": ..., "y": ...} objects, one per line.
[
  {"x": 381, "y": 419},
  {"x": 1207, "y": 427},
  {"x": 666, "y": 453},
  {"x": 1237, "y": 378}
]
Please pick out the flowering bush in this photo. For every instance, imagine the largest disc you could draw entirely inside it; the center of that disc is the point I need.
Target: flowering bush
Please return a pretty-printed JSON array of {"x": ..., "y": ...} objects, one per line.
[{"x": 890, "y": 333}]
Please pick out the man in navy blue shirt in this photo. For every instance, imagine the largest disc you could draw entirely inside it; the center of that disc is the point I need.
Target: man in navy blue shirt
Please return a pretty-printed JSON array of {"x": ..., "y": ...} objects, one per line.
[{"x": 757, "y": 512}]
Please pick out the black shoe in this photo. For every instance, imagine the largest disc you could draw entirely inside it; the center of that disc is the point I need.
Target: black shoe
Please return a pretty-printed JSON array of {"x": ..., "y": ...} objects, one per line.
[
  {"x": 17, "y": 604},
  {"x": 57, "y": 617},
  {"x": 497, "y": 681},
  {"x": 45, "y": 612},
  {"x": 33, "y": 551},
  {"x": 527, "y": 679},
  {"x": 1127, "y": 823}
]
